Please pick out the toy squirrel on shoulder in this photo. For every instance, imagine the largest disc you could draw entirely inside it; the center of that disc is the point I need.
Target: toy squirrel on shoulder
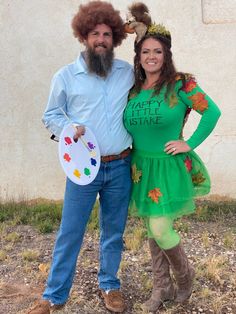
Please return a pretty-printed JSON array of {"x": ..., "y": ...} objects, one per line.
[{"x": 138, "y": 20}]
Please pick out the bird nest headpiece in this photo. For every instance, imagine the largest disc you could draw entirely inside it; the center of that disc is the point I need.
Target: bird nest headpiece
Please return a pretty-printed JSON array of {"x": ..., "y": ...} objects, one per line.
[{"x": 139, "y": 21}]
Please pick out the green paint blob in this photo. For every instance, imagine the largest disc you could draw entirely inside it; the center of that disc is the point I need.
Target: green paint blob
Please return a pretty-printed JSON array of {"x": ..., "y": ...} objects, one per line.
[{"x": 87, "y": 171}]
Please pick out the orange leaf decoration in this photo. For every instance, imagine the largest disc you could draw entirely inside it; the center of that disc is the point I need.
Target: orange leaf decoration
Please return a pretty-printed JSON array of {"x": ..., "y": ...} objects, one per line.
[
  {"x": 136, "y": 174},
  {"x": 199, "y": 101},
  {"x": 173, "y": 100},
  {"x": 155, "y": 194},
  {"x": 189, "y": 86},
  {"x": 178, "y": 77},
  {"x": 185, "y": 76},
  {"x": 198, "y": 178}
]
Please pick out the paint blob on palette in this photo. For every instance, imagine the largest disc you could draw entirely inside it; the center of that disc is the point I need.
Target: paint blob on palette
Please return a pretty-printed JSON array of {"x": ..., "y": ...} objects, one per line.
[{"x": 80, "y": 160}]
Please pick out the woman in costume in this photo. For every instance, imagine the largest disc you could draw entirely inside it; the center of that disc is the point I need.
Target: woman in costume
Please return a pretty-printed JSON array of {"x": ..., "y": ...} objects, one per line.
[{"x": 167, "y": 174}]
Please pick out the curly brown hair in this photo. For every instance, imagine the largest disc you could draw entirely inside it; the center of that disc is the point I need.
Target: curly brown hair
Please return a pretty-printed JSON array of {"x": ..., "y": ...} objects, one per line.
[{"x": 94, "y": 13}]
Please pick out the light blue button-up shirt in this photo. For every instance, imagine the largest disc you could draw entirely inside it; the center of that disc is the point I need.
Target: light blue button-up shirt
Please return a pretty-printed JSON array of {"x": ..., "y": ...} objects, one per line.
[{"x": 90, "y": 100}]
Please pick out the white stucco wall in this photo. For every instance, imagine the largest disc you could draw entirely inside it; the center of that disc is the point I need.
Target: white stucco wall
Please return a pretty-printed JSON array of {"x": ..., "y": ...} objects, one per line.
[{"x": 36, "y": 40}]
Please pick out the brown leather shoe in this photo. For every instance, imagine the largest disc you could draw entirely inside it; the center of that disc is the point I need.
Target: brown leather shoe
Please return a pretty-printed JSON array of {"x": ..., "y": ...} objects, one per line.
[
  {"x": 114, "y": 301},
  {"x": 44, "y": 307}
]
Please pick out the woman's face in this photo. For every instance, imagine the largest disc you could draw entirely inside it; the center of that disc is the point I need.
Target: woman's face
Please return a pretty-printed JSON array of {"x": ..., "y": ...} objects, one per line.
[{"x": 152, "y": 56}]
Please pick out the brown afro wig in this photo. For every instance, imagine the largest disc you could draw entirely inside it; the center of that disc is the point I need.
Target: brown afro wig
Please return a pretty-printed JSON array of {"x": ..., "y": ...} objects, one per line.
[{"x": 94, "y": 13}]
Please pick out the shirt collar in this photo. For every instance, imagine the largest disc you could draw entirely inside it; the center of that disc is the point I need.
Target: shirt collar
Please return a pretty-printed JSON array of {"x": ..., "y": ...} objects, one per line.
[{"x": 80, "y": 65}]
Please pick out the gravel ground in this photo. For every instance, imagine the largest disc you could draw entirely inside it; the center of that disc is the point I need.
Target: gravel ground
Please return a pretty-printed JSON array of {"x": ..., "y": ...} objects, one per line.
[{"x": 209, "y": 245}]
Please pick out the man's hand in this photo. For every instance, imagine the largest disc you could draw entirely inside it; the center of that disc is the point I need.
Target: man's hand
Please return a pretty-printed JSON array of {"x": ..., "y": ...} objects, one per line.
[{"x": 79, "y": 130}]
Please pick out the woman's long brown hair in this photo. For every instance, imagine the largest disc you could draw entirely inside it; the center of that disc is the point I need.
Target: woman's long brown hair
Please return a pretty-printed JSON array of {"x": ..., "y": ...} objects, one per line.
[{"x": 168, "y": 72}]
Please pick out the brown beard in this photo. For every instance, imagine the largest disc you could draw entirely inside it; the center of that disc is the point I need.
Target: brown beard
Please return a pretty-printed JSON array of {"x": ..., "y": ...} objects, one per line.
[{"x": 99, "y": 64}]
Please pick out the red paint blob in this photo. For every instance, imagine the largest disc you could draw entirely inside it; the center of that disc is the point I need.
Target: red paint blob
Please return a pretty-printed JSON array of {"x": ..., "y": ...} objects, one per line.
[
  {"x": 67, "y": 157},
  {"x": 68, "y": 140}
]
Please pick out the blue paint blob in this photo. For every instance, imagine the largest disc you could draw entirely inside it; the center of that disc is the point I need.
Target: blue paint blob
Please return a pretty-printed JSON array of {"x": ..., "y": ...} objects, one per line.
[{"x": 93, "y": 162}]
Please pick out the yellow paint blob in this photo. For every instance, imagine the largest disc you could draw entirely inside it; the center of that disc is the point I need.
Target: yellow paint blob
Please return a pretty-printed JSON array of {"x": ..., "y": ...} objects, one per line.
[{"x": 77, "y": 173}]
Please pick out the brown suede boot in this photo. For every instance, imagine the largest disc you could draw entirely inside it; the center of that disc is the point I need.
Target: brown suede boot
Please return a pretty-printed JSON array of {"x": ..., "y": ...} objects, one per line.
[
  {"x": 163, "y": 288},
  {"x": 183, "y": 272}
]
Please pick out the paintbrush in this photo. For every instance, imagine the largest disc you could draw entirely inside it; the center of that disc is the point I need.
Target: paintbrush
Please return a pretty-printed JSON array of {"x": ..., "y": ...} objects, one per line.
[{"x": 81, "y": 139}]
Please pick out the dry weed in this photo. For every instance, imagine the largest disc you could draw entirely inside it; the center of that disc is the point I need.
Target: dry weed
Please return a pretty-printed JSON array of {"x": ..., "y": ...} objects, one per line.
[
  {"x": 3, "y": 255},
  {"x": 213, "y": 267},
  {"x": 229, "y": 240},
  {"x": 146, "y": 282},
  {"x": 140, "y": 308},
  {"x": 205, "y": 239},
  {"x": 13, "y": 237},
  {"x": 205, "y": 293},
  {"x": 3, "y": 227},
  {"x": 219, "y": 303},
  {"x": 123, "y": 266},
  {"x": 30, "y": 255},
  {"x": 134, "y": 240}
]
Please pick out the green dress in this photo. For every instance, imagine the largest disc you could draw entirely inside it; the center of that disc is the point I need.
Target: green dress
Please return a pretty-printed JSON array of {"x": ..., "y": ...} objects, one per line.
[{"x": 165, "y": 185}]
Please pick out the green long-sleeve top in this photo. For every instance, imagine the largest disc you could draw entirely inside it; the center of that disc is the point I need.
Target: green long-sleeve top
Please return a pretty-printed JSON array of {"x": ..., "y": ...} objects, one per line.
[{"x": 153, "y": 120}]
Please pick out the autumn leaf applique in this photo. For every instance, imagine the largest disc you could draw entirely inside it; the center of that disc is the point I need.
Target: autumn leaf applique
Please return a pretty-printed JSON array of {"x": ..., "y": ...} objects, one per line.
[
  {"x": 199, "y": 101},
  {"x": 188, "y": 163},
  {"x": 189, "y": 85},
  {"x": 183, "y": 76},
  {"x": 178, "y": 77},
  {"x": 173, "y": 100},
  {"x": 155, "y": 194},
  {"x": 136, "y": 174},
  {"x": 198, "y": 178}
]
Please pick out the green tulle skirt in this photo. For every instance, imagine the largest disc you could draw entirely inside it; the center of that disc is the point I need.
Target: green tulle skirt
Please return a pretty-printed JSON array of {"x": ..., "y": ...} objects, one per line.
[{"x": 165, "y": 185}]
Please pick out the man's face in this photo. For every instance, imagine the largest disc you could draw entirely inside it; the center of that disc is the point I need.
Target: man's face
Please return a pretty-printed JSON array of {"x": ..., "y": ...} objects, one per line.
[
  {"x": 100, "y": 39},
  {"x": 99, "y": 50}
]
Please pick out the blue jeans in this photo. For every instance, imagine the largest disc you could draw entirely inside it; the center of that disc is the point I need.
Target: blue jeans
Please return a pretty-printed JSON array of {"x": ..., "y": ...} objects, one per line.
[{"x": 113, "y": 184}]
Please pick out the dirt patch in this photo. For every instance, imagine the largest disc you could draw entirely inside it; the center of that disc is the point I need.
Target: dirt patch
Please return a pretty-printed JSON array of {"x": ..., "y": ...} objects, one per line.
[
  {"x": 9, "y": 291},
  {"x": 13, "y": 294}
]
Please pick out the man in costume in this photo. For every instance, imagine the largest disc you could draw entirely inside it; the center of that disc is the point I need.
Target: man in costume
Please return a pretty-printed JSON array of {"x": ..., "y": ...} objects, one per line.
[{"x": 93, "y": 92}]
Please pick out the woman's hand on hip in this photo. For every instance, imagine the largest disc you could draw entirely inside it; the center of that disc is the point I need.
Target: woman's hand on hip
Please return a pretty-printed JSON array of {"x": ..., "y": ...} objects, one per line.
[{"x": 176, "y": 147}]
